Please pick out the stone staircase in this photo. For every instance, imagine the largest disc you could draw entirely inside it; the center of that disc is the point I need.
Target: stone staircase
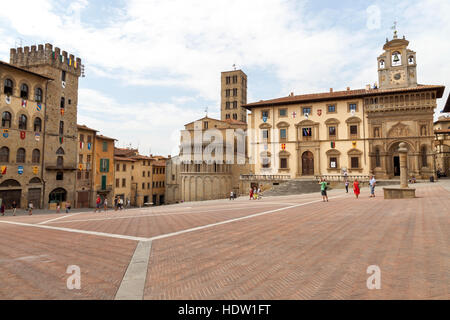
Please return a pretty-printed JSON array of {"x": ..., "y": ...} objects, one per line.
[
  {"x": 293, "y": 187},
  {"x": 303, "y": 186}
]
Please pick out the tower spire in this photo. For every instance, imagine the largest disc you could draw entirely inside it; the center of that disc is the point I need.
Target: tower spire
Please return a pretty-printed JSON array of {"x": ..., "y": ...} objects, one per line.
[{"x": 394, "y": 27}]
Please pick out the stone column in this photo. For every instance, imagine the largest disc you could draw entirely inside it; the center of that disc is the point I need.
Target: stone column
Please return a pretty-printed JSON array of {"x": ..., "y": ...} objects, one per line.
[{"x": 403, "y": 152}]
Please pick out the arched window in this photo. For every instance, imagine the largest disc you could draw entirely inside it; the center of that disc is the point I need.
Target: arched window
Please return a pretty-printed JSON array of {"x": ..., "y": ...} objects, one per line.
[
  {"x": 424, "y": 156},
  {"x": 20, "y": 156},
  {"x": 24, "y": 91},
  {"x": 6, "y": 119},
  {"x": 60, "y": 162},
  {"x": 396, "y": 59},
  {"x": 57, "y": 196},
  {"x": 23, "y": 122},
  {"x": 377, "y": 158},
  {"x": 61, "y": 128},
  {"x": 382, "y": 64},
  {"x": 8, "y": 87},
  {"x": 60, "y": 151},
  {"x": 38, "y": 95},
  {"x": 36, "y": 156},
  {"x": 37, "y": 125},
  {"x": 4, "y": 154}
]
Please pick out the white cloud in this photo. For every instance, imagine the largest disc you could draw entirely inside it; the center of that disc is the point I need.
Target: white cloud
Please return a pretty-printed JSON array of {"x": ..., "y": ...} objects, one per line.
[
  {"x": 148, "y": 125},
  {"x": 186, "y": 44}
]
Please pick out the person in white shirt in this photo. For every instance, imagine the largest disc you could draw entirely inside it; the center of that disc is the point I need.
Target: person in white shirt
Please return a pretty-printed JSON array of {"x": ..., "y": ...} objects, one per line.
[{"x": 372, "y": 184}]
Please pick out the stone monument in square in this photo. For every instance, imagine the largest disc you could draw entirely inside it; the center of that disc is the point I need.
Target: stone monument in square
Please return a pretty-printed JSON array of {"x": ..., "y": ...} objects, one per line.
[{"x": 402, "y": 192}]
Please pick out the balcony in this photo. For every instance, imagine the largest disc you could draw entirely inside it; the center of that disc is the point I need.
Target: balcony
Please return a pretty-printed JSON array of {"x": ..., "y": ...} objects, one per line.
[{"x": 107, "y": 188}]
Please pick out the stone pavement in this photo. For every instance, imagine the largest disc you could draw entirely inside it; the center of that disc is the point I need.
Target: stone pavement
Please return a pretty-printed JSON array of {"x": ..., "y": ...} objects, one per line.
[{"x": 288, "y": 247}]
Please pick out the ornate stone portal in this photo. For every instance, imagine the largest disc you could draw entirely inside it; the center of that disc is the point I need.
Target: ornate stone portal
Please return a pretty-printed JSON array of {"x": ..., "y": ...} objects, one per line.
[{"x": 404, "y": 192}]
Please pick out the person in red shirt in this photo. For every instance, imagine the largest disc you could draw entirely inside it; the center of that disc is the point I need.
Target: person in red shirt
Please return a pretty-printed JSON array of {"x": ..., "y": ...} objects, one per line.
[
  {"x": 356, "y": 188},
  {"x": 98, "y": 203}
]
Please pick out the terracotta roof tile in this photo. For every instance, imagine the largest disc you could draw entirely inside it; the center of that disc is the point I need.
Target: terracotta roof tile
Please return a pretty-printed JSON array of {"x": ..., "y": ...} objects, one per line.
[
  {"x": 123, "y": 159},
  {"x": 105, "y": 137},
  {"x": 82, "y": 126},
  {"x": 336, "y": 95}
]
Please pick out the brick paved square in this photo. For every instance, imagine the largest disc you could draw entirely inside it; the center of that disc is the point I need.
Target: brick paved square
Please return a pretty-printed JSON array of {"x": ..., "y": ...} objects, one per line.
[{"x": 293, "y": 247}]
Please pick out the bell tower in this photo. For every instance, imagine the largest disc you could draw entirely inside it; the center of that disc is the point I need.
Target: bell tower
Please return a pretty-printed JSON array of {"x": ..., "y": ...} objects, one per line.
[{"x": 397, "y": 65}]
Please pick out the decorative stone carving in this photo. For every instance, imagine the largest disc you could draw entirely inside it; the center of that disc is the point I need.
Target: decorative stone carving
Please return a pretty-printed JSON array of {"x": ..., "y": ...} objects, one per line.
[{"x": 399, "y": 130}]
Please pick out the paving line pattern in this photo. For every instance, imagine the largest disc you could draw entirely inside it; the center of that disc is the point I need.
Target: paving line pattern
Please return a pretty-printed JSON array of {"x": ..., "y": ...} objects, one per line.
[{"x": 133, "y": 283}]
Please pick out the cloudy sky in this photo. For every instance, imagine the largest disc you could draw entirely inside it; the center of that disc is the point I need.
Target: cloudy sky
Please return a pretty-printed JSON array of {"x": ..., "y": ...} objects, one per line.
[{"x": 154, "y": 65}]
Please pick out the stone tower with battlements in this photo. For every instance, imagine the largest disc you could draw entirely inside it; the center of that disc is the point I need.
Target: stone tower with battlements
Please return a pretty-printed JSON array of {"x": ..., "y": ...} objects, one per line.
[{"x": 60, "y": 120}]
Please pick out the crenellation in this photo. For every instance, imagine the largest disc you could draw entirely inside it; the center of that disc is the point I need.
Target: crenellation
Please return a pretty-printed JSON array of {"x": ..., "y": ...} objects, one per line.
[{"x": 45, "y": 54}]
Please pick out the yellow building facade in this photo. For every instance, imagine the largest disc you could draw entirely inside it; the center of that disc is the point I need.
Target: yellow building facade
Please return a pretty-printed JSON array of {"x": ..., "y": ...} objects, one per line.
[
  {"x": 353, "y": 131},
  {"x": 85, "y": 167},
  {"x": 104, "y": 169}
]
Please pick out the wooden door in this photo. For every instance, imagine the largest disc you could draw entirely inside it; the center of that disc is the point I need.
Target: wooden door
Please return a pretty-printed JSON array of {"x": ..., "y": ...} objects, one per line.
[
  {"x": 308, "y": 164},
  {"x": 34, "y": 196}
]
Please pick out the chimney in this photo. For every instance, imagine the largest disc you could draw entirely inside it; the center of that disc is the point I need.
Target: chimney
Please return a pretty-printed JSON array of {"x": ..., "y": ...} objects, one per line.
[
  {"x": 348, "y": 88},
  {"x": 331, "y": 90},
  {"x": 169, "y": 156},
  {"x": 367, "y": 87},
  {"x": 292, "y": 94}
]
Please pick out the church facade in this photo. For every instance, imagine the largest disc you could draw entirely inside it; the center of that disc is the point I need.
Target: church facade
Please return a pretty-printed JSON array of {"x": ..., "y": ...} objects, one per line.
[{"x": 357, "y": 131}]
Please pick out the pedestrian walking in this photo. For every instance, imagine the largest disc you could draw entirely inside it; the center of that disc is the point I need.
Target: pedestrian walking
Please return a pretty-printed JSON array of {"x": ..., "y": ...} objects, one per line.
[
  {"x": 372, "y": 184},
  {"x": 259, "y": 193},
  {"x": 251, "y": 193},
  {"x": 255, "y": 194},
  {"x": 105, "y": 205},
  {"x": 67, "y": 206},
  {"x": 346, "y": 185},
  {"x": 128, "y": 203},
  {"x": 120, "y": 203},
  {"x": 2, "y": 209},
  {"x": 323, "y": 189},
  {"x": 30, "y": 208},
  {"x": 14, "y": 207},
  {"x": 98, "y": 202},
  {"x": 116, "y": 203},
  {"x": 58, "y": 207},
  {"x": 231, "y": 196},
  {"x": 356, "y": 189}
]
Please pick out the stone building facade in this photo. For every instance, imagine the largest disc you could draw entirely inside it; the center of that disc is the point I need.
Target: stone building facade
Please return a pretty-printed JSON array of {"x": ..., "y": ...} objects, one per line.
[
  {"x": 144, "y": 177},
  {"x": 22, "y": 107},
  {"x": 204, "y": 174},
  {"x": 158, "y": 180},
  {"x": 173, "y": 180},
  {"x": 357, "y": 131},
  {"x": 442, "y": 142},
  {"x": 233, "y": 95},
  {"x": 60, "y": 138},
  {"x": 123, "y": 178},
  {"x": 85, "y": 167}
]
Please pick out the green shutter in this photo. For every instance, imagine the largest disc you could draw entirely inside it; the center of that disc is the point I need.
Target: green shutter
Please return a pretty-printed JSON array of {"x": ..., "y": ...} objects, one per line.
[
  {"x": 107, "y": 165},
  {"x": 103, "y": 182}
]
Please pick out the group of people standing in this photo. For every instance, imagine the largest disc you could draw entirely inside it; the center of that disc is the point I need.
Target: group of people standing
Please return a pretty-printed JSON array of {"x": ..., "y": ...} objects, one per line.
[
  {"x": 118, "y": 204},
  {"x": 356, "y": 188},
  {"x": 13, "y": 207},
  {"x": 255, "y": 193}
]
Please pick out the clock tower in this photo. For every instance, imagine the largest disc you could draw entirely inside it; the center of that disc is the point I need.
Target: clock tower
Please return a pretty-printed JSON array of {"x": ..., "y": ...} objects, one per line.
[{"x": 397, "y": 65}]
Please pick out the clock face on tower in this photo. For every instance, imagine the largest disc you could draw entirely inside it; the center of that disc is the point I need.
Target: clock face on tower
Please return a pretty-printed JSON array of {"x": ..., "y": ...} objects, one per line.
[{"x": 397, "y": 77}]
